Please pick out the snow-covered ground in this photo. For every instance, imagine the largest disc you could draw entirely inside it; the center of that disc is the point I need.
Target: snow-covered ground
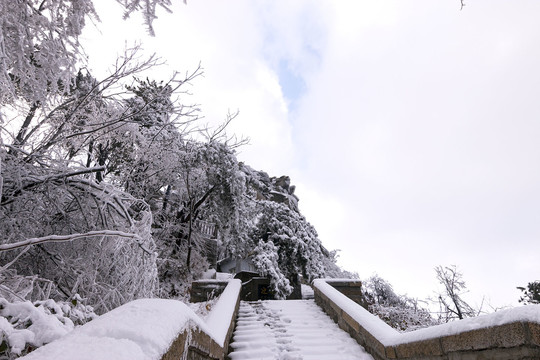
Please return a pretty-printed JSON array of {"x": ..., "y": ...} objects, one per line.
[{"x": 290, "y": 330}]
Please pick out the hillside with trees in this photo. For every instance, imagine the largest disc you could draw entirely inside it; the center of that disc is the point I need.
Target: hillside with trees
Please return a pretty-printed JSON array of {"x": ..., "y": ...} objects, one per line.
[{"x": 107, "y": 185}]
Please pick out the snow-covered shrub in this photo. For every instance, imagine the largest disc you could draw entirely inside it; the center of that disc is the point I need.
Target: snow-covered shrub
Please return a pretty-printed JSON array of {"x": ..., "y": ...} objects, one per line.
[
  {"x": 203, "y": 308},
  {"x": 403, "y": 318},
  {"x": 14, "y": 287},
  {"x": 106, "y": 270},
  {"x": 380, "y": 291},
  {"x": 174, "y": 276},
  {"x": 74, "y": 309},
  {"x": 398, "y": 311},
  {"x": 25, "y": 326}
]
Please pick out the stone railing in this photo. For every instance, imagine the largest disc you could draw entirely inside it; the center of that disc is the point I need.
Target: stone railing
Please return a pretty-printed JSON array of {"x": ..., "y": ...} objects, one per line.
[
  {"x": 509, "y": 334},
  {"x": 351, "y": 288},
  {"x": 151, "y": 329}
]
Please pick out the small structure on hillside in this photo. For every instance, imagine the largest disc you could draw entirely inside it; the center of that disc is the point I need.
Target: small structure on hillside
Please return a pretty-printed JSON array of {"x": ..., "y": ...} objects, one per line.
[
  {"x": 254, "y": 285},
  {"x": 206, "y": 289},
  {"x": 209, "y": 234},
  {"x": 235, "y": 266}
]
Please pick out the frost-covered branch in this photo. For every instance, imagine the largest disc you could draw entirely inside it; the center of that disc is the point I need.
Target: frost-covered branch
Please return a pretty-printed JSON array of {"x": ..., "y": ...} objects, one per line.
[
  {"x": 37, "y": 180},
  {"x": 451, "y": 301},
  {"x": 219, "y": 133},
  {"x": 147, "y": 8},
  {"x": 63, "y": 238}
]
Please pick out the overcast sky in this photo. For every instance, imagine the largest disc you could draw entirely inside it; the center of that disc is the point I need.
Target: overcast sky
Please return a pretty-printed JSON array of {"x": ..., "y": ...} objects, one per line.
[{"x": 410, "y": 128}]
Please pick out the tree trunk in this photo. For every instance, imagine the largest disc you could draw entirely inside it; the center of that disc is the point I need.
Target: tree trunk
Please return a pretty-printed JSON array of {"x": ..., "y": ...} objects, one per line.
[
  {"x": 1, "y": 178},
  {"x": 19, "y": 139},
  {"x": 90, "y": 151},
  {"x": 190, "y": 230},
  {"x": 166, "y": 199}
]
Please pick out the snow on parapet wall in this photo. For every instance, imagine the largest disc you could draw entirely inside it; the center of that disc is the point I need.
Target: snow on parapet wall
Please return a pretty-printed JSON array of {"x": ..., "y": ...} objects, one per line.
[
  {"x": 221, "y": 316},
  {"x": 528, "y": 313},
  {"x": 142, "y": 329},
  {"x": 375, "y": 326},
  {"x": 139, "y": 330},
  {"x": 390, "y": 337}
]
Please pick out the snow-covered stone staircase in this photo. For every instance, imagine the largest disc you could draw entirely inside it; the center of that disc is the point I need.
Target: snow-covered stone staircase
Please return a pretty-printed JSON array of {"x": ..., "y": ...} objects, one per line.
[{"x": 290, "y": 330}]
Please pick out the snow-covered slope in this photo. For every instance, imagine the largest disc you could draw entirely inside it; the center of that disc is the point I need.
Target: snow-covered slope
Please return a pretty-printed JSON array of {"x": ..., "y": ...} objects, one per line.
[{"x": 290, "y": 330}]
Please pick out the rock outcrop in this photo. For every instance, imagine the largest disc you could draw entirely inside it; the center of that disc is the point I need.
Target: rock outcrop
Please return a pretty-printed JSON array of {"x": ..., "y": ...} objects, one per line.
[{"x": 277, "y": 189}]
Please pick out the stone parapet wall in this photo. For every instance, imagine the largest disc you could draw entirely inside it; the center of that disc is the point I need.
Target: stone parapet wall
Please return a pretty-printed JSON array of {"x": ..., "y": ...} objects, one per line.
[
  {"x": 351, "y": 289},
  {"x": 196, "y": 344},
  {"x": 347, "y": 323},
  {"x": 507, "y": 340},
  {"x": 203, "y": 290}
]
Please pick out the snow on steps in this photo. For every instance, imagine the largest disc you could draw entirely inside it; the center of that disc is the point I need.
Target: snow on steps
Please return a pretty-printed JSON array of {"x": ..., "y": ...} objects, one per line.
[{"x": 290, "y": 330}]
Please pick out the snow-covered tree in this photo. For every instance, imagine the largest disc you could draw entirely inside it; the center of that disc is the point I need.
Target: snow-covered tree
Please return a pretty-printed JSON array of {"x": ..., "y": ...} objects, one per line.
[
  {"x": 53, "y": 186},
  {"x": 39, "y": 47},
  {"x": 266, "y": 258},
  {"x": 451, "y": 301},
  {"x": 58, "y": 219},
  {"x": 298, "y": 247}
]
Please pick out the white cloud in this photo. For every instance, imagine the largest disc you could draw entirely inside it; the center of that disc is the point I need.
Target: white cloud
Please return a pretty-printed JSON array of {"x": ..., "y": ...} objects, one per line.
[{"x": 426, "y": 119}]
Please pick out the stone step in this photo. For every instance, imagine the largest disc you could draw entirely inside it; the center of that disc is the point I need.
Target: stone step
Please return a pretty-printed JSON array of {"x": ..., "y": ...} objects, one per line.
[{"x": 290, "y": 329}]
